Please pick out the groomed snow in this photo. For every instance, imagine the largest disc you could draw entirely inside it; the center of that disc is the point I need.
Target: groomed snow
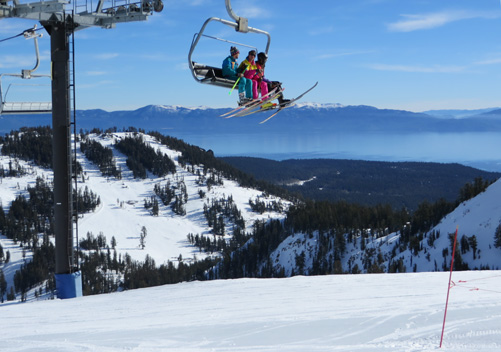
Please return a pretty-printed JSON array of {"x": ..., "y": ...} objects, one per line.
[{"x": 387, "y": 312}]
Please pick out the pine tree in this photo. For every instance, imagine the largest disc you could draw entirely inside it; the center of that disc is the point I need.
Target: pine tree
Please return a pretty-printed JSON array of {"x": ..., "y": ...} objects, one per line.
[
  {"x": 3, "y": 285},
  {"x": 497, "y": 237},
  {"x": 142, "y": 237},
  {"x": 473, "y": 244},
  {"x": 11, "y": 295},
  {"x": 155, "y": 208}
]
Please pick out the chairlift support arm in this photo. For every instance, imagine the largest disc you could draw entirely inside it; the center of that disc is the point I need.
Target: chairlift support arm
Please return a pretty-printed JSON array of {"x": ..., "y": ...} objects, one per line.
[
  {"x": 32, "y": 34},
  {"x": 242, "y": 22},
  {"x": 54, "y": 11}
]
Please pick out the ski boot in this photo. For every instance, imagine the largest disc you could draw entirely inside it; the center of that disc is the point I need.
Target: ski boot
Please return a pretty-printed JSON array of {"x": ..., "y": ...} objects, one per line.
[
  {"x": 242, "y": 99},
  {"x": 282, "y": 101}
]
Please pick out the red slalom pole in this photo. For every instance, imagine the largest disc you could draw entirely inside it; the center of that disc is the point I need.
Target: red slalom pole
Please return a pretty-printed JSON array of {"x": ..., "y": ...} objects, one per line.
[{"x": 449, "y": 288}]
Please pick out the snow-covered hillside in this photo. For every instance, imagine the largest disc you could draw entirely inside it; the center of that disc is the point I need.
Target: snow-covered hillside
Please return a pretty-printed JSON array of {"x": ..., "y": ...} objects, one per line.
[
  {"x": 122, "y": 214},
  {"x": 10, "y": 188},
  {"x": 476, "y": 218},
  {"x": 376, "y": 313}
]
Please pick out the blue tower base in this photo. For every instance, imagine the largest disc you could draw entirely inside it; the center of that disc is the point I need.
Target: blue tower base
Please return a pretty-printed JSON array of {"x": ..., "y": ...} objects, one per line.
[{"x": 69, "y": 285}]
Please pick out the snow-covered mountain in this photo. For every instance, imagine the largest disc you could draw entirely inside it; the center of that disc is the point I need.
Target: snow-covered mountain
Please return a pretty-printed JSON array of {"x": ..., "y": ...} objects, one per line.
[
  {"x": 459, "y": 114},
  {"x": 320, "y": 118},
  {"x": 319, "y": 105}
]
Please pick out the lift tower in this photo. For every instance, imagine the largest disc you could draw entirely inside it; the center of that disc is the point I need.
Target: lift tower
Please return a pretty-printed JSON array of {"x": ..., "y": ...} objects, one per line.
[{"x": 61, "y": 19}]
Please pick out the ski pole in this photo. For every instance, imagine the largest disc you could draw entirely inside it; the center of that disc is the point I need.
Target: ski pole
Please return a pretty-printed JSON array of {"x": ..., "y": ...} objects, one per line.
[
  {"x": 236, "y": 82},
  {"x": 238, "y": 79}
]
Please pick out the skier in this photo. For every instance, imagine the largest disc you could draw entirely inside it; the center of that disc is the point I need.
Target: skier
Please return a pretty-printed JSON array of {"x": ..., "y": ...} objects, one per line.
[
  {"x": 264, "y": 83},
  {"x": 231, "y": 71},
  {"x": 248, "y": 67}
]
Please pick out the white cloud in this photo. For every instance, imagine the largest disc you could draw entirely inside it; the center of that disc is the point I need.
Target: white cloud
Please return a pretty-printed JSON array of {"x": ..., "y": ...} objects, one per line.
[
  {"x": 106, "y": 56},
  {"x": 155, "y": 57},
  {"x": 95, "y": 73},
  {"x": 437, "y": 19},
  {"x": 96, "y": 84},
  {"x": 10, "y": 28},
  {"x": 19, "y": 61},
  {"x": 197, "y": 2},
  {"x": 328, "y": 56},
  {"x": 489, "y": 62},
  {"x": 417, "y": 69},
  {"x": 181, "y": 66},
  {"x": 321, "y": 30},
  {"x": 253, "y": 12}
]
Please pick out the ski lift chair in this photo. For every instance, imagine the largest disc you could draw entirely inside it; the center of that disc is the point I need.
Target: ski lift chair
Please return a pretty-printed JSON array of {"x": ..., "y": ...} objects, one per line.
[
  {"x": 18, "y": 107},
  {"x": 15, "y": 108},
  {"x": 214, "y": 75}
]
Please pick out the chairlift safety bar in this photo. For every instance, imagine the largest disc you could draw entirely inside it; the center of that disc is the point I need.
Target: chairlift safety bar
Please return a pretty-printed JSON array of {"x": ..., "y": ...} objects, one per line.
[
  {"x": 229, "y": 41},
  {"x": 22, "y": 107}
]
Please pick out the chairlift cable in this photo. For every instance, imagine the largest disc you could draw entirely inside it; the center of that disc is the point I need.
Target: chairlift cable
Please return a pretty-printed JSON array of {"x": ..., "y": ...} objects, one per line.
[
  {"x": 20, "y": 34},
  {"x": 15, "y": 36}
]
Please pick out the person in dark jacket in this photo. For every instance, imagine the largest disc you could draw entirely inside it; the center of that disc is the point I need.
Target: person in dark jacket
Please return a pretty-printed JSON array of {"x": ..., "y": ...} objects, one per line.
[
  {"x": 231, "y": 71},
  {"x": 265, "y": 84}
]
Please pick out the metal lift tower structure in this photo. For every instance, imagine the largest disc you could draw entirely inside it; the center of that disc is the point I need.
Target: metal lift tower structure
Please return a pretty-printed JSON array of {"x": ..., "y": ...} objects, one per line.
[{"x": 61, "y": 19}]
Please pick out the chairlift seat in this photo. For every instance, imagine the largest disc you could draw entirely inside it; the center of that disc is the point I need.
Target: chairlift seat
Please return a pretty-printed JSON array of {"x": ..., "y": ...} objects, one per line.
[
  {"x": 26, "y": 108},
  {"x": 212, "y": 75}
]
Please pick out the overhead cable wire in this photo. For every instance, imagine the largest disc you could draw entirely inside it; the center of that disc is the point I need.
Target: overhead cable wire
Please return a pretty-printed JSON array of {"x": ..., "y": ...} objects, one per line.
[
  {"x": 15, "y": 36},
  {"x": 21, "y": 34}
]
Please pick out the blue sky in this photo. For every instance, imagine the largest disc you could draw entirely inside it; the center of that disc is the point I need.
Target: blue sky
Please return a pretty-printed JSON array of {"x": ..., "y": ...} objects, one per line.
[{"x": 400, "y": 54}]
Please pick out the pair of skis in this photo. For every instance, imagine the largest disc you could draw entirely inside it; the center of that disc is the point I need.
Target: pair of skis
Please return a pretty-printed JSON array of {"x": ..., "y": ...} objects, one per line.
[
  {"x": 254, "y": 105},
  {"x": 290, "y": 103},
  {"x": 258, "y": 105}
]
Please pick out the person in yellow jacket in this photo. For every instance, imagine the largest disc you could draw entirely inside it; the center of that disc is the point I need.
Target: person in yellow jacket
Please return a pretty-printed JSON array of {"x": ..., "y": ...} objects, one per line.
[{"x": 249, "y": 68}]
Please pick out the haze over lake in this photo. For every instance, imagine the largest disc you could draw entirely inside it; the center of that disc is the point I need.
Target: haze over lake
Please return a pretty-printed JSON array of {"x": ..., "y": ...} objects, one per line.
[{"x": 478, "y": 149}]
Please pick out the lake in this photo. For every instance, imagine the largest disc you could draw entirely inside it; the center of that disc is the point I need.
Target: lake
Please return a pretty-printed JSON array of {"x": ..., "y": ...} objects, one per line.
[{"x": 480, "y": 150}]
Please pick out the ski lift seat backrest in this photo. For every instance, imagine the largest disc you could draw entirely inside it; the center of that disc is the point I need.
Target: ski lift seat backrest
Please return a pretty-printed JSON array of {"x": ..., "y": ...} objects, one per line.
[{"x": 212, "y": 75}]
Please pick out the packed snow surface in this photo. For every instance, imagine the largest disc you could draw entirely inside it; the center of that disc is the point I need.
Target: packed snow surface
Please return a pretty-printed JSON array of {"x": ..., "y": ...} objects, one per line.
[{"x": 378, "y": 312}]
